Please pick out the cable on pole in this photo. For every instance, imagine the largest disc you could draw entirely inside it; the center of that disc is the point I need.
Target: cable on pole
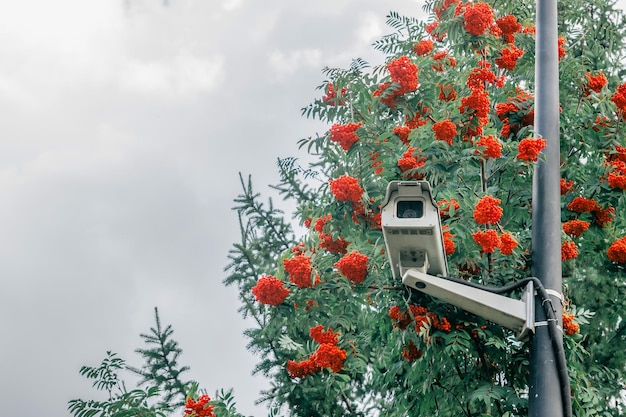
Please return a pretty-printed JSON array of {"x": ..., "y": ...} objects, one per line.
[{"x": 553, "y": 330}]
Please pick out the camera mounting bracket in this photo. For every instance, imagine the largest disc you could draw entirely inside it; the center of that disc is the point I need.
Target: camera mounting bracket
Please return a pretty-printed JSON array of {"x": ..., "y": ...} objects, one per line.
[{"x": 517, "y": 315}]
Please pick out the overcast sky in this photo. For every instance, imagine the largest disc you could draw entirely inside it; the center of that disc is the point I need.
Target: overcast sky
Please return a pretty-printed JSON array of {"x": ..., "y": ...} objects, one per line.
[{"x": 123, "y": 126}]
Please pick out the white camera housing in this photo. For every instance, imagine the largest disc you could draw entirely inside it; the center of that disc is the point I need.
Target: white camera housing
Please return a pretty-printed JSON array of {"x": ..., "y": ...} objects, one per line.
[{"x": 412, "y": 229}]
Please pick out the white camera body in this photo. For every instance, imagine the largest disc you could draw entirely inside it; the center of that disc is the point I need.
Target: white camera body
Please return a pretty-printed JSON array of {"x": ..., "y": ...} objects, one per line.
[{"x": 412, "y": 229}]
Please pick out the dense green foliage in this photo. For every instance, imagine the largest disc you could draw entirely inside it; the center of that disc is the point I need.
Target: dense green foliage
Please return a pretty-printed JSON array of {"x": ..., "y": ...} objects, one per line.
[{"x": 470, "y": 367}]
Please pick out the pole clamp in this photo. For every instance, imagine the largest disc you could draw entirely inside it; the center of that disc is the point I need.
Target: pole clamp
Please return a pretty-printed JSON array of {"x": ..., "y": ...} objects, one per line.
[
  {"x": 556, "y": 294},
  {"x": 545, "y": 323}
]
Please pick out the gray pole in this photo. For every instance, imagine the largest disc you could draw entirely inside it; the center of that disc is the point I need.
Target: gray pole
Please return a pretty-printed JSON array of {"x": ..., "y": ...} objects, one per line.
[{"x": 545, "y": 393}]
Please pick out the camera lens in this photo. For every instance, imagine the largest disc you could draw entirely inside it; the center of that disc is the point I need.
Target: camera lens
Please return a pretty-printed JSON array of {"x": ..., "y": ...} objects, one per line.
[
  {"x": 408, "y": 213},
  {"x": 409, "y": 209}
]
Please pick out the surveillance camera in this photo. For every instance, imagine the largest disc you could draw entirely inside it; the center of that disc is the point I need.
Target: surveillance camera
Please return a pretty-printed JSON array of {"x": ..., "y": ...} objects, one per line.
[
  {"x": 414, "y": 241},
  {"x": 412, "y": 229}
]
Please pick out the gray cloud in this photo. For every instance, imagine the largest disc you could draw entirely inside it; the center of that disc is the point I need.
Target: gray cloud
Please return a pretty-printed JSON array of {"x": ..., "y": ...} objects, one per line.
[{"x": 123, "y": 132}]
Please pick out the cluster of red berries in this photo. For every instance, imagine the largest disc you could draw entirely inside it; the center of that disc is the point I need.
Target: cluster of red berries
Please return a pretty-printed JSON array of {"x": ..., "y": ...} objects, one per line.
[
  {"x": 617, "y": 251},
  {"x": 489, "y": 240},
  {"x": 345, "y": 135},
  {"x": 490, "y": 147},
  {"x": 199, "y": 408},
  {"x": 595, "y": 83},
  {"x": 328, "y": 355},
  {"x": 529, "y": 149},
  {"x": 403, "y": 74},
  {"x": 353, "y": 266},
  {"x": 616, "y": 162},
  {"x": 569, "y": 250},
  {"x": 619, "y": 98},
  {"x": 478, "y": 17},
  {"x": 270, "y": 290},
  {"x": 575, "y": 228},
  {"x": 569, "y": 325},
  {"x": 327, "y": 242},
  {"x": 516, "y": 113},
  {"x": 300, "y": 271},
  {"x": 508, "y": 57},
  {"x": 445, "y": 130},
  {"x": 419, "y": 316},
  {"x": 346, "y": 188},
  {"x": 488, "y": 210},
  {"x": 331, "y": 95},
  {"x": 601, "y": 215},
  {"x": 410, "y": 162}
]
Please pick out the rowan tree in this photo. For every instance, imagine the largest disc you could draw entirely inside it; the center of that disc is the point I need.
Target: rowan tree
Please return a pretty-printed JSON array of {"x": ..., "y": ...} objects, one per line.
[{"x": 451, "y": 104}]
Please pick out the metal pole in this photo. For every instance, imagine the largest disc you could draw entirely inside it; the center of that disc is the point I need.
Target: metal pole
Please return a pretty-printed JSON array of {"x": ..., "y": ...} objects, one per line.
[{"x": 545, "y": 390}]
